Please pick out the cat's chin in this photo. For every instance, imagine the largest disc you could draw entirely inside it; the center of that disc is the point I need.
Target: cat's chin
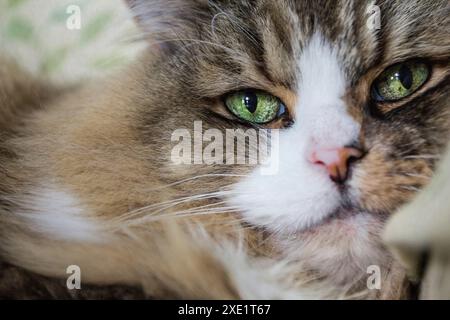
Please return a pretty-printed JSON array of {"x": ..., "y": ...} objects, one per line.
[{"x": 342, "y": 246}]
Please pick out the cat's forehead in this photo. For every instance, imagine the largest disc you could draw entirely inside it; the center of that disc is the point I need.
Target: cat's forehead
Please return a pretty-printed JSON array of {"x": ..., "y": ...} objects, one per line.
[{"x": 361, "y": 33}]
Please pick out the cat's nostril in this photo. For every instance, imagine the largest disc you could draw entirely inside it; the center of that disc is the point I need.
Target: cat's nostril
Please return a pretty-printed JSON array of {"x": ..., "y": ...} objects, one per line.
[{"x": 337, "y": 161}]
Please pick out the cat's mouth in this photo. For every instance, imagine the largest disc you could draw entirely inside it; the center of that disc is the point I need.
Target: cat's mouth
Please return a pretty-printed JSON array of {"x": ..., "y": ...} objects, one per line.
[
  {"x": 343, "y": 213},
  {"x": 346, "y": 220},
  {"x": 343, "y": 221}
]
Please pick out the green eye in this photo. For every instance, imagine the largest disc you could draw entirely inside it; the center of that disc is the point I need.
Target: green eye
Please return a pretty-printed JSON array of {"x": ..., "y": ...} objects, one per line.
[
  {"x": 255, "y": 106},
  {"x": 400, "y": 81}
]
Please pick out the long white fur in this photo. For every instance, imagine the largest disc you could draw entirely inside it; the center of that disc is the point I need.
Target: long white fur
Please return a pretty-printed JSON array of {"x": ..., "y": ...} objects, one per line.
[
  {"x": 259, "y": 278},
  {"x": 58, "y": 215}
]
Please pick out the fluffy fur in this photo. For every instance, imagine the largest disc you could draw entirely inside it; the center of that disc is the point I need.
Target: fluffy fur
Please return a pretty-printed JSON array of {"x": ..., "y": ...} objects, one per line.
[{"x": 172, "y": 230}]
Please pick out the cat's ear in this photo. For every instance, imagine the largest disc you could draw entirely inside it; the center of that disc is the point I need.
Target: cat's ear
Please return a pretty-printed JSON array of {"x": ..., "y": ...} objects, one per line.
[{"x": 165, "y": 21}]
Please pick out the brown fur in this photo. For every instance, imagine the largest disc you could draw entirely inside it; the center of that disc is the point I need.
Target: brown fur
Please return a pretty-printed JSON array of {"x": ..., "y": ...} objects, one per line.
[{"x": 109, "y": 145}]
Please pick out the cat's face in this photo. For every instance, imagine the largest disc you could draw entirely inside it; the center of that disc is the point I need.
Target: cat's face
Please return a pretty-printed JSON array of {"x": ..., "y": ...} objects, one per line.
[{"x": 357, "y": 137}]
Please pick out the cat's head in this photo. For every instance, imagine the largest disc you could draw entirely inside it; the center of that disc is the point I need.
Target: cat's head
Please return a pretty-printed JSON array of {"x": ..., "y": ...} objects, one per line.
[{"x": 362, "y": 109}]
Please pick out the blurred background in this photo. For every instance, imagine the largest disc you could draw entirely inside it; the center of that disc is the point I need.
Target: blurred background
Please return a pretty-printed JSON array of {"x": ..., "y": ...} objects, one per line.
[{"x": 68, "y": 40}]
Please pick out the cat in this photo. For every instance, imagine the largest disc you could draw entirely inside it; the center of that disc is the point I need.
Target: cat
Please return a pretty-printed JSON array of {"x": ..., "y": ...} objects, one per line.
[{"x": 361, "y": 113}]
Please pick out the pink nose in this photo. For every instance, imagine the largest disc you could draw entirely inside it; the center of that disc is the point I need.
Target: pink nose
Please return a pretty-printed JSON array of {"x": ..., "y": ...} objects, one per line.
[{"x": 336, "y": 160}]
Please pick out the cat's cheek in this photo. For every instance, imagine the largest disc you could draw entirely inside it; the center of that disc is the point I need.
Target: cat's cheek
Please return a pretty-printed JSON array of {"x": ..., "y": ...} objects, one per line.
[{"x": 382, "y": 185}]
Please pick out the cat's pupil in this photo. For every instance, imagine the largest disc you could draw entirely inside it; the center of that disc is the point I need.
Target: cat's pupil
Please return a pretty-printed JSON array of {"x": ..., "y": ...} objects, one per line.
[
  {"x": 406, "y": 77},
  {"x": 251, "y": 101}
]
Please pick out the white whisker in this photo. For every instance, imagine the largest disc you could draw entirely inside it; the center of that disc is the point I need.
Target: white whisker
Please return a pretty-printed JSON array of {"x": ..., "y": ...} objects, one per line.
[
  {"x": 198, "y": 177},
  {"x": 179, "y": 214},
  {"x": 410, "y": 188},
  {"x": 423, "y": 156}
]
